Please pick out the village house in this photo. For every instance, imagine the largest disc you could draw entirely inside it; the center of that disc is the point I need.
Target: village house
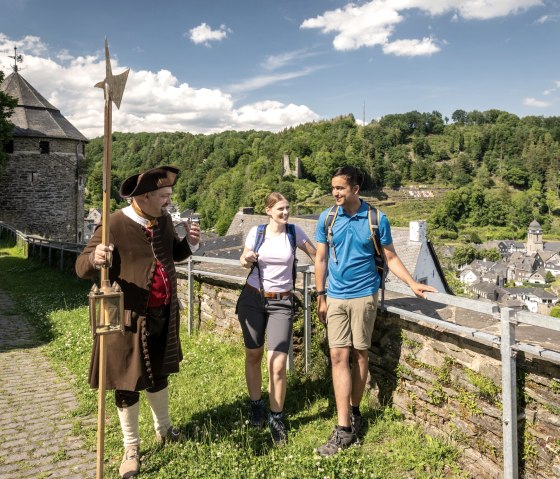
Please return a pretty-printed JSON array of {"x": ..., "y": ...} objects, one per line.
[
  {"x": 91, "y": 221},
  {"x": 504, "y": 247},
  {"x": 528, "y": 265},
  {"x": 535, "y": 299}
]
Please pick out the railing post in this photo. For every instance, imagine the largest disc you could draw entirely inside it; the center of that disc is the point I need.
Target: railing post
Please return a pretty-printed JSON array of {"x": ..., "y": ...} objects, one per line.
[
  {"x": 61, "y": 259},
  {"x": 509, "y": 395},
  {"x": 307, "y": 319},
  {"x": 191, "y": 296}
]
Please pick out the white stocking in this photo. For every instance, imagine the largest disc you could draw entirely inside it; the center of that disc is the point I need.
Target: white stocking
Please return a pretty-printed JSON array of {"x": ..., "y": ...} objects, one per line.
[
  {"x": 159, "y": 403},
  {"x": 128, "y": 417}
]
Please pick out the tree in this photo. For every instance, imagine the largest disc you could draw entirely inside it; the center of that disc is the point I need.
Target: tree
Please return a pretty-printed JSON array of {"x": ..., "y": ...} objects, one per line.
[
  {"x": 491, "y": 254},
  {"x": 459, "y": 117},
  {"x": 464, "y": 255},
  {"x": 517, "y": 177},
  {"x": 7, "y": 105}
]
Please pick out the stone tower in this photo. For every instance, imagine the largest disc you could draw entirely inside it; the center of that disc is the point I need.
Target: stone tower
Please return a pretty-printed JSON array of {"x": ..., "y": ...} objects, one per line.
[
  {"x": 42, "y": 183},
  {"x": 534, "y": 238},
  {"x": 287, "y": 169}
]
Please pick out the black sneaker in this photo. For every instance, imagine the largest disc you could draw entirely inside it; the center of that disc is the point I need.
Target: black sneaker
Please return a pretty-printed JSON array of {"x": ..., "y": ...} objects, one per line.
[
  {"x": 340, "y": 439},
  {"x": 277, "y": 430},
  {"x": 257, "y": 418},
  {"x": 356, "y": 423}
]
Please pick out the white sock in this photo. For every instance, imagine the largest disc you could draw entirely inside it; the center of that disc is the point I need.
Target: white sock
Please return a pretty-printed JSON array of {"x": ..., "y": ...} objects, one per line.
[
  {"x": 128, "y": 417},
  {"x": 159, "y": 403}
]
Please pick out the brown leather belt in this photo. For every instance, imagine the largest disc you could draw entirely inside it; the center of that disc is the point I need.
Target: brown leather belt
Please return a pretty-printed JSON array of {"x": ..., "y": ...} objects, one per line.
[{"x": 268, "y": 295}]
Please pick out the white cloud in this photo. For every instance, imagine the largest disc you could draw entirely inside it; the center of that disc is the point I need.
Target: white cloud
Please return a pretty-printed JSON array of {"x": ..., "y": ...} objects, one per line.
[
  {"x": 204, "y": 34},
  {"x": 369, "y": 24},
  {"x": 548, "y": 18},
  {"x": 536, "y": 103},
  {"x": 411, "y": 48},
  {"x": 275, "y": 62},
  {"x": 553, "y": 89},
  {"x": 152, "y": 101},
  {"x": 373, "y": 23},
  {"x": 262, "y": 81},
  {"x": 272, "y": 115},
  {"x": 473, "y": 9}
]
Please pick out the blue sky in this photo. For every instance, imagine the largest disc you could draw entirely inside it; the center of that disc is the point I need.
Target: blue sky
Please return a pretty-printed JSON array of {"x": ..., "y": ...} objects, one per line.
[{"x": 209, "y": 66}]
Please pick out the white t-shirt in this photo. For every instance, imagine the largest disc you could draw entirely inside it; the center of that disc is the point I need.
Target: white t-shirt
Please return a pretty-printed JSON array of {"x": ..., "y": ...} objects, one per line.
[{"x": 275, "y": 260}]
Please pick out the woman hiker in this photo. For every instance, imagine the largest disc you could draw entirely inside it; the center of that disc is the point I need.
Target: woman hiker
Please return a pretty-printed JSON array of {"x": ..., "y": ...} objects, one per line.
[{"x": 266, "y": 308}]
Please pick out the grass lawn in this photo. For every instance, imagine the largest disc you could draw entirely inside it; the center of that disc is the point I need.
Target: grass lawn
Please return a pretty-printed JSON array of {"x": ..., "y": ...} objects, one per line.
[{"x": 208, "y": 402}]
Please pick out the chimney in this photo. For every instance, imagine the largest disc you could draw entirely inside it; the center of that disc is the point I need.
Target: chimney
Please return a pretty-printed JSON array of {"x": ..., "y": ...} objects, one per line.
[
  {"x": 417, "y": 231},
  {"x": 247, "y": 210}
]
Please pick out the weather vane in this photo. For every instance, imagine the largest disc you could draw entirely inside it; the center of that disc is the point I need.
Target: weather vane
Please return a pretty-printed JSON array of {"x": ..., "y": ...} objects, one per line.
[
  {"x": 106, "y": 304},
  {"x": 17, "y": 59}
]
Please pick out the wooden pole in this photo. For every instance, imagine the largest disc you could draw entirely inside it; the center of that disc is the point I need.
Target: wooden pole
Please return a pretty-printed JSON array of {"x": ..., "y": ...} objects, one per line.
[
  {"x": 105, "y": 286},
  {"x": 113, "y": 87}
]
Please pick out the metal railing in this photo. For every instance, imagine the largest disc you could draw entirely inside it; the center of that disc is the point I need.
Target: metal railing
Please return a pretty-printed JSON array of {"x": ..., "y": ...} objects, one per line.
[{"x": 36, "y": 245}]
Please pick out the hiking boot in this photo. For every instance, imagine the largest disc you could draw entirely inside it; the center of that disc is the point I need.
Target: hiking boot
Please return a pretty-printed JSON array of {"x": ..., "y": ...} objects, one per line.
[
  {"x": 339, "y": 440},
  {"x": 257, "y": 418},
  {"x": 356, "y": 423},
  {"x": 173, "y": 435},
  {"x": 277, "y": 430},
  {"x": 130, "y": 465}
]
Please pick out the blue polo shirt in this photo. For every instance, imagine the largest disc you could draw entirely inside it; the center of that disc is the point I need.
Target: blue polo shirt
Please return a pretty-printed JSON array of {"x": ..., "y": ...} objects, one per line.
[{"x": 353, "y": 274}]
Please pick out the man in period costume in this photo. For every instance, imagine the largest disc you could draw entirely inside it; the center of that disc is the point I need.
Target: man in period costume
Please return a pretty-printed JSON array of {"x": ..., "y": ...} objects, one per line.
[{"x": 142, "y": 250}]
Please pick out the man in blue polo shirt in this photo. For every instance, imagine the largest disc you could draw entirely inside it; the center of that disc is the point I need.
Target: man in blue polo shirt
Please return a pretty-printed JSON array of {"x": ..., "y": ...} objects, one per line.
[{"x": 349, "y": 306}]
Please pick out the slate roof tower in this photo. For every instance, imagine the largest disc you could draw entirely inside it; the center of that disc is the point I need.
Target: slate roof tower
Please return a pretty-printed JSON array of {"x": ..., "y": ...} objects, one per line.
[{"x": 42, "y": 183}]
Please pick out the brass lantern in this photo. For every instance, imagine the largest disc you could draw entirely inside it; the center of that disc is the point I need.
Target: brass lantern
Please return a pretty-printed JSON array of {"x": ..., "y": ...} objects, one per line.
[{"x": 106, "y": 310}]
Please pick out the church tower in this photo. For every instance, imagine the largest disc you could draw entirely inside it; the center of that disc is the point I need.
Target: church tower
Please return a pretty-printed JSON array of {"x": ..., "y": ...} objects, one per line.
[
  {"x": 42, "y": 182},
  {"x": 534, "y": 238}
]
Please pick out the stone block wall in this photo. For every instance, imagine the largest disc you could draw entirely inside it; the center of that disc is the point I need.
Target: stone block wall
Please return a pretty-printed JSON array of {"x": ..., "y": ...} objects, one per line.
[
  {"x": 448, "y": 385},
  {"x": 452, "y": 386},
  {"x": 44, "y": 193}
]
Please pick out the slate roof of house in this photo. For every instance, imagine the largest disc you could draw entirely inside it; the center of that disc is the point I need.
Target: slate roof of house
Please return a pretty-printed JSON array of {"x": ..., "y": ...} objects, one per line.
[
  {"x": 538, "y": 292},
  {"x": 225, "y": 244},
  {"x": 540, "y": 271},
  {"x": 488, "y": 288},
  {"x": 551, "y": 246},
  {"x": 546, "y": 255},
  {"x": 34, "y": 116}
]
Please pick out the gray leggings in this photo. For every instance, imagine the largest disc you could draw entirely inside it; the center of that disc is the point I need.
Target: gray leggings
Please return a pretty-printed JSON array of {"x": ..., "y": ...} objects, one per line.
[{"x": 258, "y": 315}]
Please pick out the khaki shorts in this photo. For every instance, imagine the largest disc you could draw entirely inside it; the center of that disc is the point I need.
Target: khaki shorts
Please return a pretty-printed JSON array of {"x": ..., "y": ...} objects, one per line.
[{"x": 350, "y": 321}]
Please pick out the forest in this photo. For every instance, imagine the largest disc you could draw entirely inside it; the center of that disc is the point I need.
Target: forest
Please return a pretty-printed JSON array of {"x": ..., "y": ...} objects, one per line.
[{"x": 498, "y": 171}]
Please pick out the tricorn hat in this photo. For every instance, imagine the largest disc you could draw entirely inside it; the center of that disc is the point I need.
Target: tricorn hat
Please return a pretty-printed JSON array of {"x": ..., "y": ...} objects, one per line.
[{"x": 150, "y": 180}]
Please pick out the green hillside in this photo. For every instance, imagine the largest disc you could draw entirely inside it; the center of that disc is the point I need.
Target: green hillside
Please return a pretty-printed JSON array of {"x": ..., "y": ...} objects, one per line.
[{"x": 491, "y": 171}]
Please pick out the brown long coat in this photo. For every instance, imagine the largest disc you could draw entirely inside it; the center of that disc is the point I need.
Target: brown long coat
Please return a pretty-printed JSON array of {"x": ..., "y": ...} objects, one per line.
[{"x": 129, "y": 366}]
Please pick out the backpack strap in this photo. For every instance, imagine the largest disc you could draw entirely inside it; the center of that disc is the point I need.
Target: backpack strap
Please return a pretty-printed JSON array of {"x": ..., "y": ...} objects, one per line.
[
  {"x": 374, "y": 218},
  {"x": 259, "y": 237},
  {"x": 291, "y": 232},
  {"x": 259, "y": 240},
  {"x": 329, "y": 223}
]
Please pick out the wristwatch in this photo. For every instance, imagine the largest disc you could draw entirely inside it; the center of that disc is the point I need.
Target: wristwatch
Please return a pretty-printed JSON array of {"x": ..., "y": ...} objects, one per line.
[{"x": 322, "y": 292}]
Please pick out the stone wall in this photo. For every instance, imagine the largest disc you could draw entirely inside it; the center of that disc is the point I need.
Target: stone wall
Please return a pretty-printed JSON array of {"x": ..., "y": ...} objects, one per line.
[
  {"x": 452, "y": 386},
  {"x": 44, "y": 193},
  {"x": 449, "y": 385}
]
